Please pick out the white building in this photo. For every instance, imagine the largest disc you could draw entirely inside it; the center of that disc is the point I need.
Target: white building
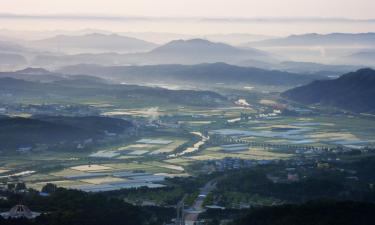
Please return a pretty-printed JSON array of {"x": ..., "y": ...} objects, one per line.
[{"x": 19, "y": 211}]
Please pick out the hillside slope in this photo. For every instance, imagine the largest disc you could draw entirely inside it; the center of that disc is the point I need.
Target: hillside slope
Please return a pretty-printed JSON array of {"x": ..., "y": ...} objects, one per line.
[
  {"x": 353, "y": 91},
  {"x": 208, "y": 74},
  {"x": 56, "y": 131}
]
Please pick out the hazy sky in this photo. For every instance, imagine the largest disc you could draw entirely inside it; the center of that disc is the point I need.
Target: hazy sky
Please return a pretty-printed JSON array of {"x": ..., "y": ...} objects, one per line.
[
  {"x": 131, "y": 15},
  {"x": 359, "y": 9}
]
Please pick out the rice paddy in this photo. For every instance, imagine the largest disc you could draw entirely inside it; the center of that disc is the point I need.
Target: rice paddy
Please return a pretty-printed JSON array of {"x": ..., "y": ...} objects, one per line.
[
  {"x": 91, "y": 168},
  {"x": 142, "y": 147},
  {"x": 102, "y": 180},
  {"x": 108, "y": 167},
  {"x": 251, "y": 153}
]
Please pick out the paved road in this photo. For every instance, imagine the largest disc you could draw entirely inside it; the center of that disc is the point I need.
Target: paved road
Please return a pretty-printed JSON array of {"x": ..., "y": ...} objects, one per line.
[{"x": 191, "y": 215}]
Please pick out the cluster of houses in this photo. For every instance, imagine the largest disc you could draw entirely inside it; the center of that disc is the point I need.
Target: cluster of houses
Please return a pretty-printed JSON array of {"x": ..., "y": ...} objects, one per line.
[{"x": 225, "y": 164}]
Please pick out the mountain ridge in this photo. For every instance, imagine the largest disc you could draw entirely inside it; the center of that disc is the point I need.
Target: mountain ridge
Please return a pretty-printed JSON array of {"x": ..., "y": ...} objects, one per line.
[
  {"x": 352, "y": 91},
  {"x": 95, "y": 42},
  {"x": 205, "y": 73},
  {"x": 319, "y": 40}
]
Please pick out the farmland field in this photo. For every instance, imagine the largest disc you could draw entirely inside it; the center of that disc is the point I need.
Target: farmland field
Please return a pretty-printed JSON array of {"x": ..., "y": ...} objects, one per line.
[{"x": 260, "y": 138}]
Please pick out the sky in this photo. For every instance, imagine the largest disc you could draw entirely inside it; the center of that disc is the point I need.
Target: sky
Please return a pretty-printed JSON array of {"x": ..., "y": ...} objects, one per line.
[
  {"x": 233, "y": 16},
  {"x": 358, "y": 9}
]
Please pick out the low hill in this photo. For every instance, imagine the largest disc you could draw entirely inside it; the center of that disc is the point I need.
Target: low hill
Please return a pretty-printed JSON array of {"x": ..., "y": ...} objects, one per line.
[
  {"x": 353, "y": 91},
  {"x": 205, "y": 74},
  {"x": 313, "y": 39},
  {"x": 79, "y": 88},
  {"x": 363, "y": 57},
  {"x": 328, "y": 70},
  {"x": 32, "y": 74},
  {"x": 12, "y": 60},
  {"x": 6, "y": 46},
  {"x": 56, "y": 132}
]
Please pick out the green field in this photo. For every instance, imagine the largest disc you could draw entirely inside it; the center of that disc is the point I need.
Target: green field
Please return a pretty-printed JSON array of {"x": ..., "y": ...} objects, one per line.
[{"x": 130, "y": 155}]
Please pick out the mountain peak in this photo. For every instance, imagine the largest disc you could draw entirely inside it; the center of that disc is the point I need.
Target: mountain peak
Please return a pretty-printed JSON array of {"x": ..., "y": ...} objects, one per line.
[
  {"x": 361, "y": 73},
  {"x": 195, "y": 41},
  {"x": 197, "y": 46},
  {"x": 33, "y": 71}
]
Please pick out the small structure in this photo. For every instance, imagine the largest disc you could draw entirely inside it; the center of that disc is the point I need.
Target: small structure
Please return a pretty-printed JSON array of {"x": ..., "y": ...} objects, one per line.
[
  {"x": 293, "y": 177},
  {"x": 20, "y": 211}
]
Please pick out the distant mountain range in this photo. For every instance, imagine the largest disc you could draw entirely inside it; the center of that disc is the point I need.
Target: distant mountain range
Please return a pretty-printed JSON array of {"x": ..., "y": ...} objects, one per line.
[
  {"x": 353, "y": 91},
  {"x": 231, "y": 38},
  {"x": 333, "y": 39},
  {"x": 116, "y": 50},
  {"x": 201, "y": 74},
  {"x": 34, "y": 87},
  {"x": 192, "y": 51},
  {"x": 7, "y": 46},
  {"x": 362, "y": 57},
  {"x": 197, "y": 51},
  {"x": 11, "y": 55},
  {"x": 328, "y": 70},
  {"x": 94, "y": 43},
  {"x": 330, "y": 48},
  {"x": 12, "y": 60}
]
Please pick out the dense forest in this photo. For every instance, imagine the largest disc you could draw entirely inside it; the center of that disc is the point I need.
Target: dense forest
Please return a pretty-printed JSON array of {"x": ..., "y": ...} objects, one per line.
[
  {"x": 353, "y": 91},
  {"x": 312, "y": 213},
  {"x": 68, "y": 207},
  {"x": 343, "y": 181},
  {"x": 35, "y": 132}
]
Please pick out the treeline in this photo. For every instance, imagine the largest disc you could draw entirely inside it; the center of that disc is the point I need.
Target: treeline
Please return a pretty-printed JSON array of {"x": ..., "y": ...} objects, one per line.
[
  {"x": 312, "y": 213},
  {"x": 68, "y": 207},
  {"x": 177, "y": 188},
  {"x": 35, "y": 132},
  {"x": 312, "y": 184}
]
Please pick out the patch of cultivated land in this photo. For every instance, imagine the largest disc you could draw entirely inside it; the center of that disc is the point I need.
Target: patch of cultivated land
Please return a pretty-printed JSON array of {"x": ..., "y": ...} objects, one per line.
[
  {"x": 40, "y": 177},
  {"x": 139, "y": 167},
  {"x": 314, "y": 131},
  {"x": 252, "y": 153},
  {"x": 166, "y": 165},
  {"x": 91, "y": 168},
  {"x": 102, "y": 180},
  {"x": 134, "y": 112},
  {"x": 59, "y": 183},
  {"x": 141, "y": 148},
  {"x": 66, "y": 172},
  {"x": 148, "y": 152},
  {"x": 181, "y": 161},
  {"x": 128, "y": 157}
]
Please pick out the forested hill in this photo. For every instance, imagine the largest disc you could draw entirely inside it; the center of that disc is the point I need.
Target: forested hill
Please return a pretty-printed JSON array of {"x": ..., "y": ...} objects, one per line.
[{"x": 354, "y": 91}]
